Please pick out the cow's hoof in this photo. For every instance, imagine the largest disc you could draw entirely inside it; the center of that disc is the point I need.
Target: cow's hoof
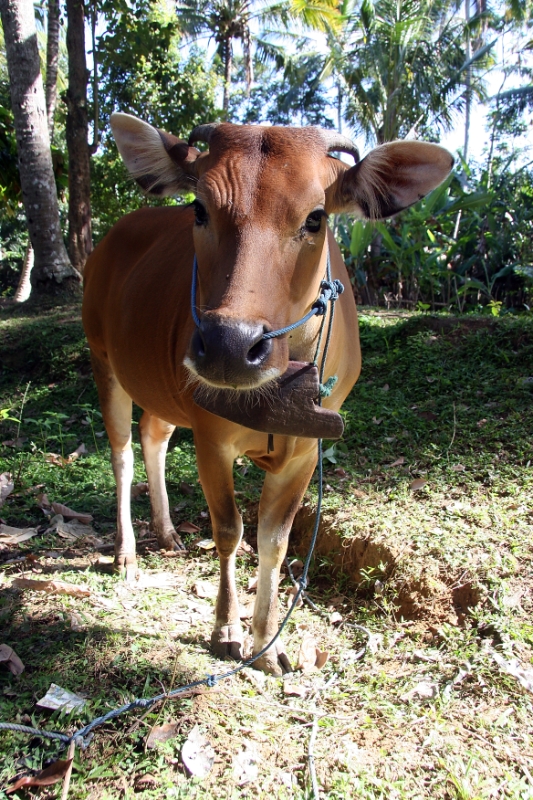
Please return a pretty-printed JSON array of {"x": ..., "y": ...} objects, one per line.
[
  {"x": 126, "y": 566},
  {"x": 226, "y": 642},
  {"x": 169, "y": 540},
  {"x": 275, "y": 661}
]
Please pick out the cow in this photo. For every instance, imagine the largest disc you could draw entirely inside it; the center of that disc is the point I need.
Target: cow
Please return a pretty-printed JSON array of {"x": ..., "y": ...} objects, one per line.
[{"x": 257, "y": 234}]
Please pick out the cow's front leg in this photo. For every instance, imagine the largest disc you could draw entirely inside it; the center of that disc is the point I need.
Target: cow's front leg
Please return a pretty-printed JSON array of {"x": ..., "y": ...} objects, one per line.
[
  {"x": 155, "y": 434},
  {"x": 116, "y": 408},
  {"x": 281, "y": 496},
  {"x": 215, "y": 467}
]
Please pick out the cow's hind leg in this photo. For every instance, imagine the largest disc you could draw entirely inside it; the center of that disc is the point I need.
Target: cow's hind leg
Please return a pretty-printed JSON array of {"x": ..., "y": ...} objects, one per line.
[
  {"x": 155, "y": 434},
  {"x": 215, "y": 466},
  {"x": 281, "y": 496},
  {"x": 116, "y": 408}
]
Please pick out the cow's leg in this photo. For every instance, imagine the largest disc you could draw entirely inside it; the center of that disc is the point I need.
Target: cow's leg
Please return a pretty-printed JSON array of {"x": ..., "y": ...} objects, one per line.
[
  {"x": 215, "y": 467},
  {"x": 116, "y": 408},
  {"x": 281, "y": 496},
  {"x": 155, "y": 434}
]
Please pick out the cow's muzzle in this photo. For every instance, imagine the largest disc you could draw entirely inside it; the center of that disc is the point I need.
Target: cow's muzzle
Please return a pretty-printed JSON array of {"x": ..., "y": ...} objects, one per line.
[{"x": 231, "y": 353}]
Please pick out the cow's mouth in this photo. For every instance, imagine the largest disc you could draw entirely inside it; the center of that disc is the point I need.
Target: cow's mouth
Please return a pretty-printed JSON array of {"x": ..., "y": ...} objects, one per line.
[{"x": 287, "y": 406}]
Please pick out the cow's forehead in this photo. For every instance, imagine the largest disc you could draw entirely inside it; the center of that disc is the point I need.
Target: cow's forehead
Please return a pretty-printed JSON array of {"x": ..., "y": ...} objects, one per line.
[{"x": 247, "y": 161}]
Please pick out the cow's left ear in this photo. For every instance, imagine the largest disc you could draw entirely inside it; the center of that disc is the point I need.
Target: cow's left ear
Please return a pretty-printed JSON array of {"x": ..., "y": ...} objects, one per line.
[{"x": 390, "y": 178}]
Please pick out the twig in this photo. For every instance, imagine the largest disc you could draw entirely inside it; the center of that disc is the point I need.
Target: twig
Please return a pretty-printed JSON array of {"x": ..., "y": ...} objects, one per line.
[
  {"x": 311, "y": 758},
  {"x": 453, "y": 432},
  {"x": 66, "y": 780}
]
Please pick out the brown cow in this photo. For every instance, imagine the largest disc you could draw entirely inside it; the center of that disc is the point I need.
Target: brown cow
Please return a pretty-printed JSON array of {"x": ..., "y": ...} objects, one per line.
[{"x": 259, "y": 230}]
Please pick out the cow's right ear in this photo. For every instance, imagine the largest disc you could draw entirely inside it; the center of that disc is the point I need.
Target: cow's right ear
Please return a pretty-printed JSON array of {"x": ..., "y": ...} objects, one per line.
[
  {"x": 391, "y": 177},
  {"x": 161, "y": 163}
]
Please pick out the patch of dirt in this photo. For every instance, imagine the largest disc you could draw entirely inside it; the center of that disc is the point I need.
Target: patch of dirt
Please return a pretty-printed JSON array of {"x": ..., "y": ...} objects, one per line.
[{"x": 420, "y": 593}]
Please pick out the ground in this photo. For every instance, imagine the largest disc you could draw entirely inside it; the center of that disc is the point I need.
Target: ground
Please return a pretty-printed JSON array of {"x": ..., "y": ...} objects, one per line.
[{"x": 425, "y": 541}]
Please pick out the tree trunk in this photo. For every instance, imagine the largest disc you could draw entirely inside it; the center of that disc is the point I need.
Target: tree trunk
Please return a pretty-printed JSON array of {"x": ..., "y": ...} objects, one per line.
[
  {"x": 52, "y": 270},
  {"x": 52, "y": 63},
  {"x": 24, "y": 284},
  {"x": 228, "y": 64},
  {"x": 79, "y": 175}
]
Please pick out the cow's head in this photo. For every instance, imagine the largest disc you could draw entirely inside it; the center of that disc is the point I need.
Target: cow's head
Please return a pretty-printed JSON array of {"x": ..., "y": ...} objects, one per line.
[{"x": 263, "y": 195}]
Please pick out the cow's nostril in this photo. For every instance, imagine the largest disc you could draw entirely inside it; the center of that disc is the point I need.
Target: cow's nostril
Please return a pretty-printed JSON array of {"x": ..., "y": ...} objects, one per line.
[
  {"x": 260, "y": 350},
  {"x": 198, "y": 344}
]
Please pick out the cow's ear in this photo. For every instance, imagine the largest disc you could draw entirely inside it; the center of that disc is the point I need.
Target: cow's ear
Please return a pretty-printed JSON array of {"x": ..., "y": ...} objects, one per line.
[
  {"x": 161, "y": 163},
  {"x": 390, "y": 178}
]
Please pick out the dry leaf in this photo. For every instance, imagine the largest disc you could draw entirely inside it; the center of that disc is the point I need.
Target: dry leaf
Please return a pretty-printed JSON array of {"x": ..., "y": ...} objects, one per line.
[
  {"x": 417, "y": 484},
  {"x": 42, "y": 501},
  {"x": 297, "y": 568},
  {"x": 524, "y": 675},
  {"x": 68, "y": 513},
  {"x": 69, "y": 530},
  {"x": 481, "y": 423},
  {"x": 46, "y": 777},
  {"x": 294, "y": 689},
  {"x": 398, "y": 462},
  {"x": 429, "y": 416},
  {"x": 458, "y": 468},
  {"x": 145, "y": 780},
  {"x": 161, "y": 733},
  {"x": 197, "y": 754},
  {"x": 10, "y": 659},
  {"x": 51, "y": 587},
  {"x": 76, "y": 622},
  {"x": 186, "y": 488},
  {"x": 16, "y": 443},
  {"x": 377, "y": 421},
  {"x": 424, "y": 690},
  {"x": 335, "y": 617},
  {"x": 245, "y": 769},
  {"x": 245, "y": 549},
  {"x": 79, "y": 451},
  {"x": 204, "y": 544},
  {"x": 307, "y": 654},
  {"x": 6, "y": 486},
  {"x": 322, "y": 657},
  {"x": 247, "y": 611},
  {"x": 252, "y": 584},
  {"x": 188, "y": 527},
  {"x": 9, "y": 535},
  {"x": 205, "y": 589},
  {"x": 138, "y": 489},
  {"x": 58, "y": 698}
]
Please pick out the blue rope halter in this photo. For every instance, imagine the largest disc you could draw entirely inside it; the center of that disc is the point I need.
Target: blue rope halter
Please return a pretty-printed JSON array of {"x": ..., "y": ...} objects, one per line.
[{"x": 329, "y": 292}]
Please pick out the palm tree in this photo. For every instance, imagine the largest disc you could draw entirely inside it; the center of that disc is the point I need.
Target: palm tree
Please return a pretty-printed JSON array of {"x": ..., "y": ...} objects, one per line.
[
  {"x": 404, "y": 67},
  {"x": 228, "y": 21}
]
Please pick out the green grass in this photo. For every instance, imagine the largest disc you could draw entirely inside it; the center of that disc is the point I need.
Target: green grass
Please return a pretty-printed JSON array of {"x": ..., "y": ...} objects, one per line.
[{"x": 442, "y": 576}]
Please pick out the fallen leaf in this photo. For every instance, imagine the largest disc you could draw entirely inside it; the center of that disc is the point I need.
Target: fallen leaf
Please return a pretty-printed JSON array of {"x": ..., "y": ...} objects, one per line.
[
  {"x": 291, "y": 594},
  {"x": 398, "y": 462},
  {"x": 69, "y": 530},
  {"x": 51, "y": 587},
  {"x": 252, "y": 584},
  {"x": 76, "y": 622},
  {"x": 186, "y": 488},
  {"x": 417, "y": 484},
  {"x": 481, "y": 423},
  {"x": 161, "y": 733},
  {"x": 524, "y": 675},
  {"x": 245, "y": 549},
  {"x": 6, "y": 486},
  {"x": 16, "y": 443},
  {"x": 68, "y": 513},
  {"x": 204, "y": 544},
  {"x": 46, "y": 777},
  {"x": 335, "y": 617},
  {"x": 145, "y": 780},
  {"x": 322, "y": 657},
  {"x": 425, "y": 690},
  {"x": 9, "y": 535},
  {"x": 10, "y": 659},
  {"x": 377, "y": 421},
  {"x": 188, "y": 527},
  {"x": 56, "y": 697},
  {"x": 307, "y": 654},
  {"x": 42, "y": 501},
  {"x": 294, "y": 689},
  {"x": 247, "y": 611},
  {"x": 79, "y": 451},
  {"x": 138, "y": 489},
  {"x": 245, "y": 769},
  {"x": 429, "y": 416},
  {"x": 458, "y": 468},
  {"x": 205, "y": 589},
  {"x": 385, "y": 387},
  {"x": 197, "y": 754}
]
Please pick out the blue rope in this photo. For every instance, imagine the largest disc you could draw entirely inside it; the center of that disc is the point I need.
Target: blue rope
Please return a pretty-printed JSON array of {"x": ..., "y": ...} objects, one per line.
[{"x": 83, "y": 736}]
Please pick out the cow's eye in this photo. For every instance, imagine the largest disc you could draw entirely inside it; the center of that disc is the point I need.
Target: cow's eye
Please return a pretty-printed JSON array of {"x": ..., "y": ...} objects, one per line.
[
  {"x": 314, "y": 220},
  {"x": 200, "y": 214}
]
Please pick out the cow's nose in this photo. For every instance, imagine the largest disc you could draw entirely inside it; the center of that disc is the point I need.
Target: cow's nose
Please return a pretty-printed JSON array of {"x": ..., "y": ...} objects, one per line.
[{"x": 229, "y": 352}]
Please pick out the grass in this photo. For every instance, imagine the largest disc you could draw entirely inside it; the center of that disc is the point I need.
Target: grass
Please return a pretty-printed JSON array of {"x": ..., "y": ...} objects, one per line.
[{"x": 426, "y": 540}]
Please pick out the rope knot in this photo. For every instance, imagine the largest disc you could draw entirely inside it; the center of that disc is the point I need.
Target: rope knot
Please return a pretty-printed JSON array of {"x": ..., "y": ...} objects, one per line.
[
  {"x": 211, "y": 680},
  {"x": 327, "y": 387},
  {"x": 303, "y": 583}
]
